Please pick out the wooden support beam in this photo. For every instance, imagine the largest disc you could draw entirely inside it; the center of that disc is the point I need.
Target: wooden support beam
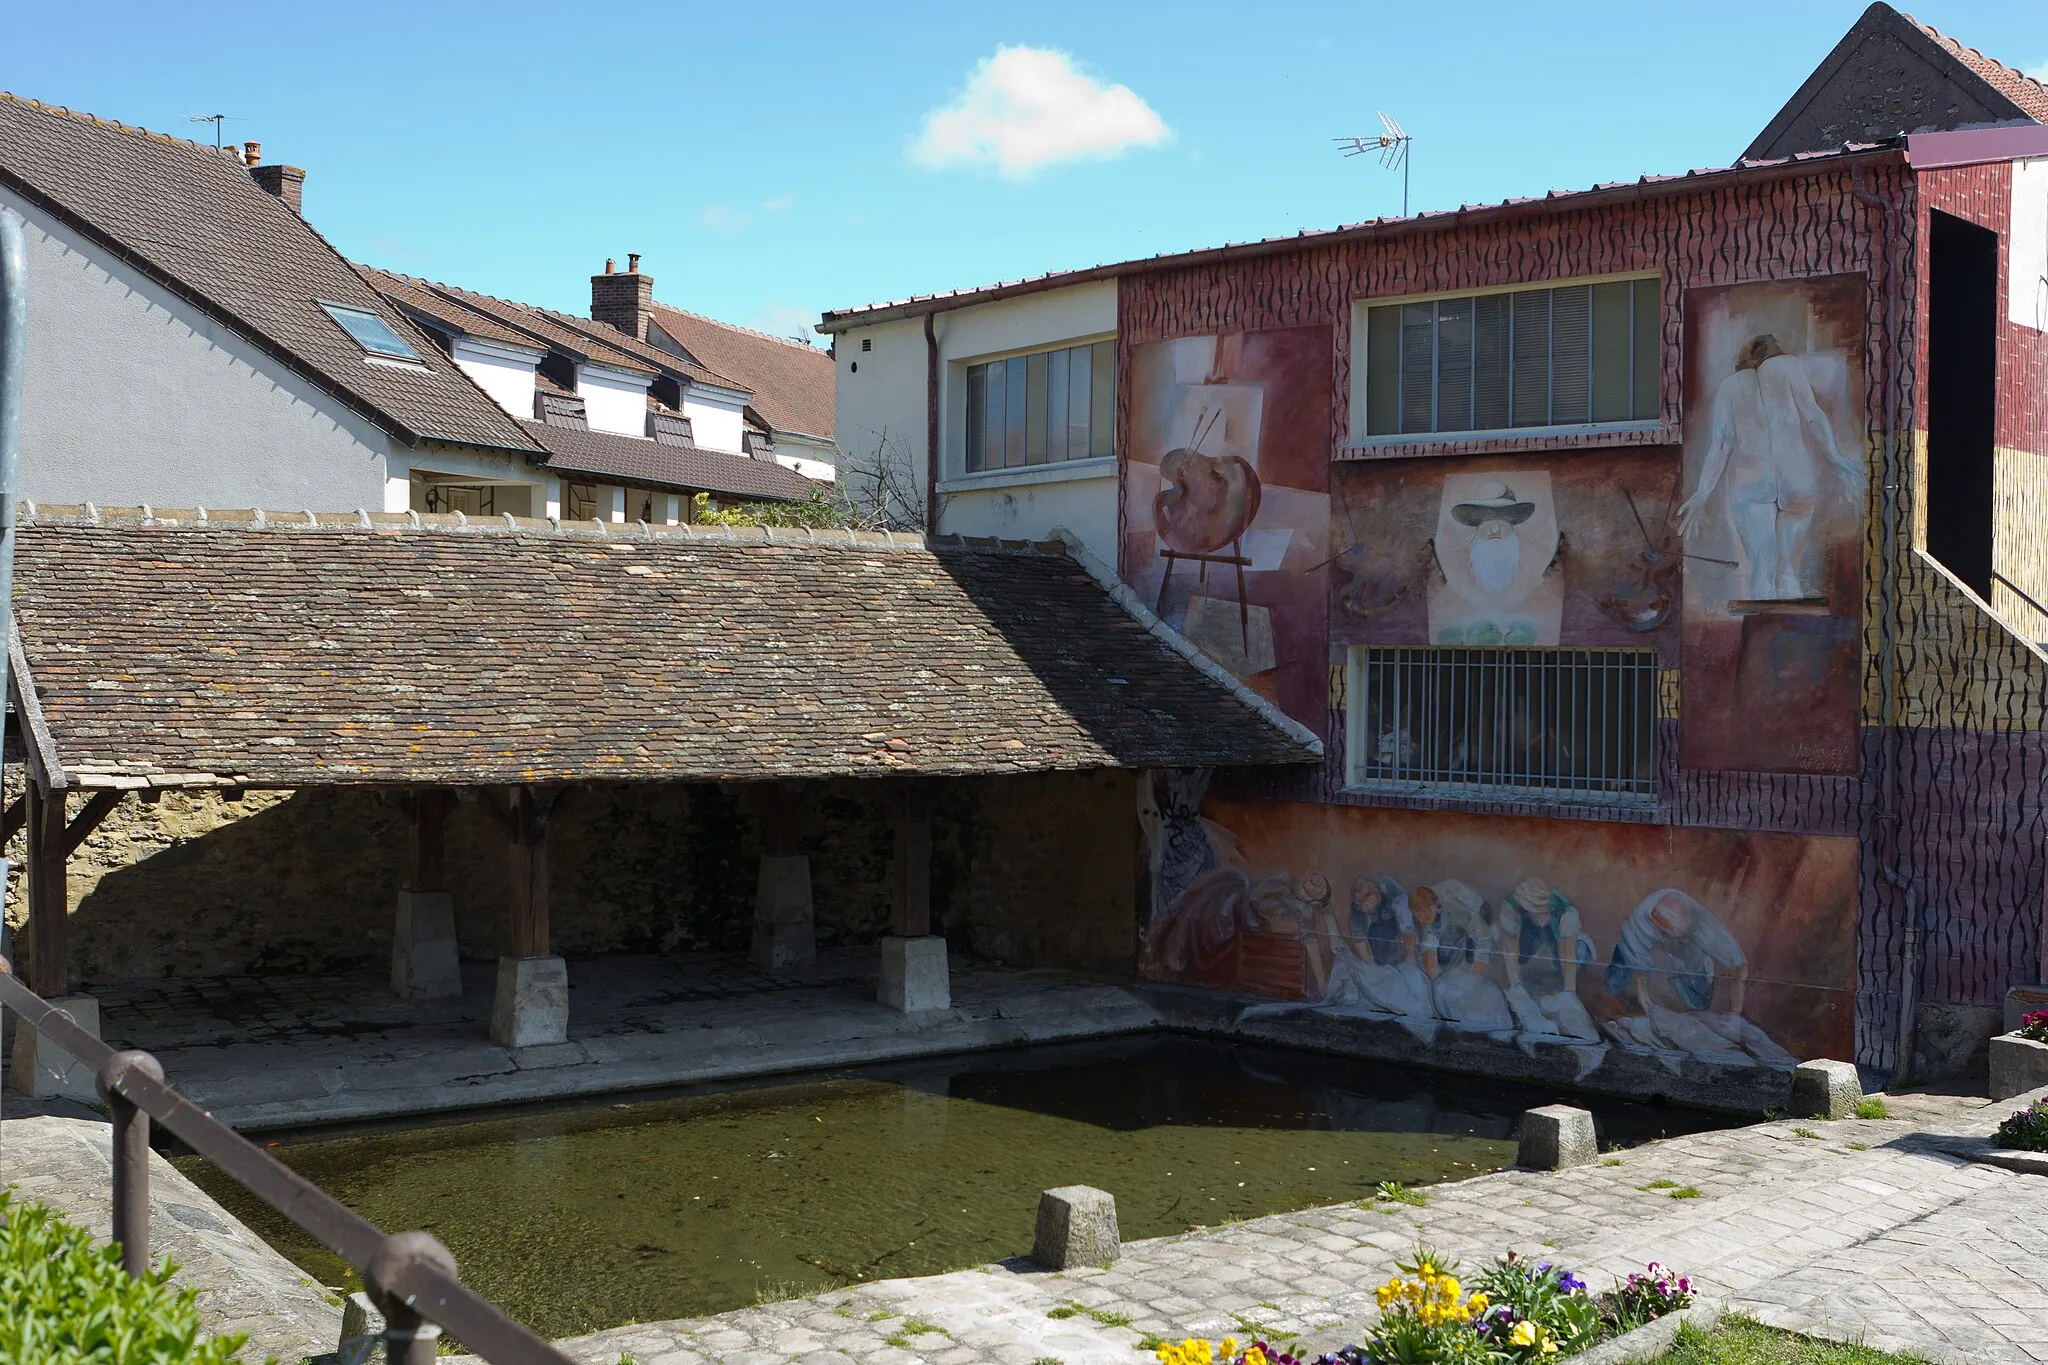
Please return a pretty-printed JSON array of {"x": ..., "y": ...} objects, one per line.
[
  {"x": 49, "y": 899},
  {"x": 911, "y": 868},
  {"x": 97, "y": 809},
  {"x": 429, "y": 839},
  {"x": 17, "y": 816},
  {"x": 525, "y": 929}
]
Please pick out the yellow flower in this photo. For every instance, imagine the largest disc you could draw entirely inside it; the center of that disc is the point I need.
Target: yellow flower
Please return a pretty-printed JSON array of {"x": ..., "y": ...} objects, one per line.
[
  {"x": 1478, "y": 1304},
  {"x": 1549, "y": 1347},
  {"x": 1230, "y": 1348},
  {"x": 1524, "y": 1333},
  {"x": 1255, "y": 1357},
  {"x": 1449, "y": 1288}
]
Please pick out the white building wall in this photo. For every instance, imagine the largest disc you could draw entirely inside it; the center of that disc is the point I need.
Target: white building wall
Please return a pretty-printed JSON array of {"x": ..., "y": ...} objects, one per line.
[
  {"x": 717, "y": 416},
  {"x": 881, "y": 415},
  {"x": 502, "y": 371},
  {"x": 131, "y": 395},
  {"x": 613, "y": 400}
]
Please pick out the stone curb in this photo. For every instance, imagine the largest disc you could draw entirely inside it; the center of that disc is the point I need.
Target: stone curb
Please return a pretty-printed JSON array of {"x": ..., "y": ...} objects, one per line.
[{"x": 1650, "y": 1340}]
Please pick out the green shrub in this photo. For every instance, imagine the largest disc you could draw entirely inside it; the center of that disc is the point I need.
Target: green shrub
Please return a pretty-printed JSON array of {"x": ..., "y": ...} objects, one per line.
[
  {"x": 64, "y": 1301},
  {"x": 2026, "y": 1130}
]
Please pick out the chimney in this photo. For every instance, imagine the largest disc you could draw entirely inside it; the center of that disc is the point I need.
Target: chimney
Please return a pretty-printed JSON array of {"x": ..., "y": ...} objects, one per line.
[
  {"x": 252, "y": 154},
  {"x": 623, "y": 301},
  {"x": 286, "y": 182}
]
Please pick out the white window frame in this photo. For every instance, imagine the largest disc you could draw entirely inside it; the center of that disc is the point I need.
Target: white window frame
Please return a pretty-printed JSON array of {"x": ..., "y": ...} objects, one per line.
[
  {"x": 958, "y": 477},
  {"x": 1361, "y": 369}
]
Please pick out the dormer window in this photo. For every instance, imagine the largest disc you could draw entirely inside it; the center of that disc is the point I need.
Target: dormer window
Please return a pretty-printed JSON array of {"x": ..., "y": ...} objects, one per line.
[{"x": 376, "y": 336}]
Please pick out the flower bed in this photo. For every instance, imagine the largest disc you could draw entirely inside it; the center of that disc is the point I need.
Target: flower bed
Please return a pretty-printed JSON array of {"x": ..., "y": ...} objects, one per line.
[
  {"x": 2034, "y": 1027},
  {"x": 2027, "y": 1129},
  {"x": 1518, "y": 1312}
]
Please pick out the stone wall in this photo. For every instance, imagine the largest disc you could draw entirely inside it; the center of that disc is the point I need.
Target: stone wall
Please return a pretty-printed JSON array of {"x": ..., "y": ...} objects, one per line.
[{"x": 1034, "y": 870}]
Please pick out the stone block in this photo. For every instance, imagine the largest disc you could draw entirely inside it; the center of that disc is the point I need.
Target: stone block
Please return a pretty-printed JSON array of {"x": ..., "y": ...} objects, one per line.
[
  {"x": 361, "y": 1325},
  {"x": 914, "y": 976},
  {"x": 2022, "y": 1001},
  {"x": 1825, "y": 1090},
  {"x": 46, "y": 1071},
  {"x": 785, "y": 932},
  {"x": 1556, "y": 1137},
  {"x": 2017, "y": 1066},
  {"x": 424, "y": 963},
  {"x": 531, "y": 1007},
  {"x": 1076, "y": 1227}
]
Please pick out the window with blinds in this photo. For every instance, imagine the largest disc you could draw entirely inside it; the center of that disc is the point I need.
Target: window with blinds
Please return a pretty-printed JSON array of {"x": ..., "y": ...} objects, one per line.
[
  {"x": 1042, "y": 409},
  {"x": 1570, "y": 355}
]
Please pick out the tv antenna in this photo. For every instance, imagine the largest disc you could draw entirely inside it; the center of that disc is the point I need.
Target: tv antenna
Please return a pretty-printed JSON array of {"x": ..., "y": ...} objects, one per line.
[
  {"x": 216, "y": 120},
  {"x": 1392, "y": 148}
]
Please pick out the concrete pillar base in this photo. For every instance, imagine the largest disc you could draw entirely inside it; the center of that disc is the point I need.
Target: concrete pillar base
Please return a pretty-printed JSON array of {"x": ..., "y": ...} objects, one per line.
[
  {"x": 914, "y": 976},
  {"x": 1556, "y": 1137},
  {"x": 1076, "y": 1227},
  {"x": 785, "y": 924},
  {"x": 424, "y": 964},
  {"x": 531, "y": 1007},
  {"x": 1825, "y": 1090},
  {"x": 45, "y": 1071}
]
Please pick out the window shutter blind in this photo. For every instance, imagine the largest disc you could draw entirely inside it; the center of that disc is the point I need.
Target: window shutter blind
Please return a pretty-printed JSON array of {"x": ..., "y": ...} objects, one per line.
[
  {"x": 1382, "y": 370},
  {"x": 1013, "y": 412},
  {"x": 1102, "y": 402},
  {"x": 1490, "y": 348},
  {"x": 1649, "y": 351},
  {"x": 1613, "y": 352},
  {"x": 1080, "y": 389},
  {"x": 977, "y": 413},
  {"x": 1418, "y": 366},
  {"x": 1056, "y": 406},
  {"x": 1454, "y": 365},
  {"x": 1570, "y": 354},
  {"x": 1532, "y": 358}
]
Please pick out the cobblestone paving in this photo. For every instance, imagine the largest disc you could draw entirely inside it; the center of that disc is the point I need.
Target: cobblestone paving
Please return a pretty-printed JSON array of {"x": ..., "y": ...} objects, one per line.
[{"x": 1864, "y": 1229}]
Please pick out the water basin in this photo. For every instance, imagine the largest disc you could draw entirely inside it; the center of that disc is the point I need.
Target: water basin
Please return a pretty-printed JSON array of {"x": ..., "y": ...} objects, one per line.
[{"x": 575, "y": 1218}]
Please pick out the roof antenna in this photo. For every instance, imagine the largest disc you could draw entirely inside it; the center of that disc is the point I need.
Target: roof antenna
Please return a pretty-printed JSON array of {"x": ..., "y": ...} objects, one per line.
[
  {"x": 216, "y": 120},
  {"x": 1392, "y": 146}
]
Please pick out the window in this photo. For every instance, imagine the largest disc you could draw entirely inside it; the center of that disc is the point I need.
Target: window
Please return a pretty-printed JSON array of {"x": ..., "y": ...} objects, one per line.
[
  {"x": 579, "y": 502},
  {"x": 1042, "y": 409},
  {"x": 1573, "y": 355},
  {"x": 1570, "y": 721},
  {"x": 371, "y": 332}
]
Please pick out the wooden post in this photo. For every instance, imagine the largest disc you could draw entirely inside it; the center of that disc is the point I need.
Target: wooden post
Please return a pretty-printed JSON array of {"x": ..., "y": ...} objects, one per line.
[
  {"x": 430, "y": 840},
  {"x": 911, "y": 869},
  {"x": 526, "y": 923},
  {"x": 49, "y": 898}
]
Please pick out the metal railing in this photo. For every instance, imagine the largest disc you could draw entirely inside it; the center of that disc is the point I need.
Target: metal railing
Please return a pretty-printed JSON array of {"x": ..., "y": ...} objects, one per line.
[
  {"x": 1536, "y": 720},
  {"x": 410, "y": 1276}
]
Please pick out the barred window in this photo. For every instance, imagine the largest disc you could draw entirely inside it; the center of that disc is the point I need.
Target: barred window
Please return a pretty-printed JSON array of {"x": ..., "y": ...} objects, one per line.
[
  {"x": 1042, "y": 409},
  {"x": 1568, "y": 355},
  {"x": 1546, "y": 721}
]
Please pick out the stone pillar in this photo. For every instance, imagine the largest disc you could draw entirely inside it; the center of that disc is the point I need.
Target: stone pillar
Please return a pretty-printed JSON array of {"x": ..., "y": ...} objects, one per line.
[
  {"x": 785, "y": 922},
  {"x": 1076, "y": 1227},
  {"x": 914, "y": 974},
  {"x": 1825, "y": 1090},
  {"x": 424, "y": 961},
  {"x": 1556, "y": 1137},
  {"x": 46, "y": 1071},
  {"x": 531, "y": 1004}
]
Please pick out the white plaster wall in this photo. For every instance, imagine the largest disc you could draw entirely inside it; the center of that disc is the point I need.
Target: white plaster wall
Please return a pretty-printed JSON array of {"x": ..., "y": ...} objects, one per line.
[
  {"x": 1086, "y": 506},
  {"x": 504, "y": 372},
  {"x": 465, "y": 466},
  {"x": 881, "y": 413},
  {"x": 131, "y": 396},
  {"x": 717, "y": 416},
  {"x": 613, "y": 400},
  {"x": 812, "y": 459}
]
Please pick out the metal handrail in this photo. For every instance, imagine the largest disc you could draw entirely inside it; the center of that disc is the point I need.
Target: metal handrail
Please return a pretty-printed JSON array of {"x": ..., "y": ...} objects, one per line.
[{"x": 410, "y": 1276}]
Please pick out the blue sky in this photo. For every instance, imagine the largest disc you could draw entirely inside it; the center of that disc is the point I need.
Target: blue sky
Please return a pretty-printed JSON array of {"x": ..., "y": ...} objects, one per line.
[{"x": 773, "y": 160}]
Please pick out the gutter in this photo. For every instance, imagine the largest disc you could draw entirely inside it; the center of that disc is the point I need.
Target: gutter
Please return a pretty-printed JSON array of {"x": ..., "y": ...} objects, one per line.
[{"x": 931, "y": 428}]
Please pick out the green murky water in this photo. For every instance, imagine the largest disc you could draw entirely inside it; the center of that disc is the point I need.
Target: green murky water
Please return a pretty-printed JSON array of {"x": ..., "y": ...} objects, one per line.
[{"x": 581, "y": 1218}]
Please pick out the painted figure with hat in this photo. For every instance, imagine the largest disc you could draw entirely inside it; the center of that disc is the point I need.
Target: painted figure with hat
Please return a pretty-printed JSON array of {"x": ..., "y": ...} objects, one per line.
[{"x": 1496, "y": 540}]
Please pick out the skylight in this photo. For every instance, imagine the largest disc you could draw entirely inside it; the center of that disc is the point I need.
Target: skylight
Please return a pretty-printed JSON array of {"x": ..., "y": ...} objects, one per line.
[{"x": 371, "y": 332}]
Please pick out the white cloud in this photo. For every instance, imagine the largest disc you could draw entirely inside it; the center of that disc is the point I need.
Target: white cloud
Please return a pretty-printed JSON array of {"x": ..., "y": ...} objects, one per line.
[
  {"x": 781, "y": 203},
  {"x": 2039, "y": 73},
  {"x": 1029, "y": 107},
  {"x": 720, "y": 218}
]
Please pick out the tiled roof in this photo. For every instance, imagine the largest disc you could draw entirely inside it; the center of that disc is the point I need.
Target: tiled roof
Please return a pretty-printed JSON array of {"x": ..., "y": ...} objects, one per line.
[
  {"x": 535, "y": 323},
  {"x": 416, "y": 298},
  {"x": 1555, "y": 201},
  {"x": 792, "y": 382},
  {"x": 2023, "y": 90},
  {"x": 652, "y": 355},
  {"x": 405, "y": 649},
  {"x": 628, "y": 459},
  {"x": 190, "y": 217}
]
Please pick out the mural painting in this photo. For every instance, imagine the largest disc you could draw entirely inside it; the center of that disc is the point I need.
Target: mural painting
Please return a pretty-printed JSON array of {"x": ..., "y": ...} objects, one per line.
[
  {"x": 1578, "y": 551},
  {"x": 1772, "y": 525},
  {"x": 1580, "y": 941},
  {"x": 1225, "y": 518}
]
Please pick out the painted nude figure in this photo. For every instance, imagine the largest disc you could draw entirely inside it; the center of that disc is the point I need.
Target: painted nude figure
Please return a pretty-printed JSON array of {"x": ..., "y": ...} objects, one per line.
[{"x": 1768, "y": 429}]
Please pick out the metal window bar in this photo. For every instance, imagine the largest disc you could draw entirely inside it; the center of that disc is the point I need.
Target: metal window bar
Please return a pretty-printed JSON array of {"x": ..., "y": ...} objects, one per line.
[
  {"x": 1523, "y": 719},
  {"x": 409, "y": 1275}
]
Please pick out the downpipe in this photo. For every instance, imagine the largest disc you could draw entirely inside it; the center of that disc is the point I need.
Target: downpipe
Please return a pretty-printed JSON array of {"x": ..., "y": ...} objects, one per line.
[{"x": 13, "y": 360}]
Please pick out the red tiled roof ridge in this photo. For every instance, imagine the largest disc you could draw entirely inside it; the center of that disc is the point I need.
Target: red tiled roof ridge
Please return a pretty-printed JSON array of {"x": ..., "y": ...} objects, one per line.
[
  {"x": 89, "y": 516},
  {"x": 803, "y": 346},
  {"x": 44, "y": 106},
  {"x": 2024, "y": 90}
]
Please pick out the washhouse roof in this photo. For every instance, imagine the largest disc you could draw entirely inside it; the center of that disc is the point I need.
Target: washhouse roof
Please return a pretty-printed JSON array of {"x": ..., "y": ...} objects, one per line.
[
  {"x": 626, "y": 459},
  {"x": 288, "y": 650}
]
